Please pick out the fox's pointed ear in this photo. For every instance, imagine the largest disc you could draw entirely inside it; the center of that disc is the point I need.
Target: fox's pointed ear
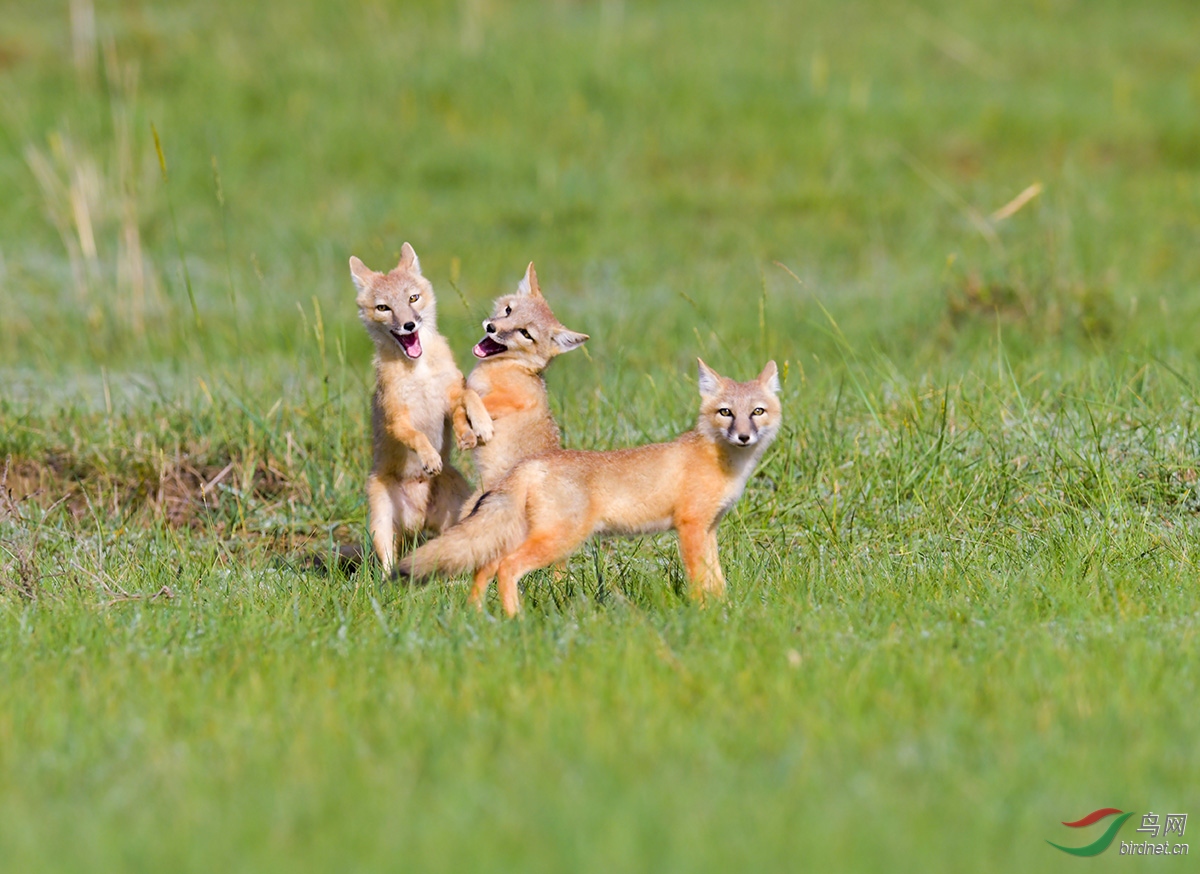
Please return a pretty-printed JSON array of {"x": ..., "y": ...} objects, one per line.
[
  {"x": 567, "y": 340},
  {"x": 769, "y": 378},
  {"x": 710, "y": 380},
  {"x": 409, "y": 260},
  {"x": 360, "y": 273},
  {"x": 529, "y": 283}
]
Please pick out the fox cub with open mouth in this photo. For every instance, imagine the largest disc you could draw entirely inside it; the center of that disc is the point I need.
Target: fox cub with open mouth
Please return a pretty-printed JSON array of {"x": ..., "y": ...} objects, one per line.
[
  {"x": 549, "y": 505},
  {"x": 521, "y": 338},
  {"x": 420, "y": 396}
]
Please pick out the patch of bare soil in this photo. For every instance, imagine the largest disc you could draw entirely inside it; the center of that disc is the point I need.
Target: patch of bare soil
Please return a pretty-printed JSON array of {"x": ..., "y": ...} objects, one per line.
[{"x": 182, "y": 492}]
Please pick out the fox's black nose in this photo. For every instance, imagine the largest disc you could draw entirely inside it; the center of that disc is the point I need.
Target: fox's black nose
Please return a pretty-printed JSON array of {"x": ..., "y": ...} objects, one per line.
[
  {"x": 490, "y": 328},
  {"x": 743, "y": 438},
  {"x": 410, "y": 326}
]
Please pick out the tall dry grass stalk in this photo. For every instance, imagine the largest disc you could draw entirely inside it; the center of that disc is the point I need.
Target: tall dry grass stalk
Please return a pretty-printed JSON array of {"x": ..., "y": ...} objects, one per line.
[
  {"x": 91, "y": 193},
  {"x": 83, "y": 38},
  {"x": 69, "y": 181},
  {"x": 472, "y": 14}
]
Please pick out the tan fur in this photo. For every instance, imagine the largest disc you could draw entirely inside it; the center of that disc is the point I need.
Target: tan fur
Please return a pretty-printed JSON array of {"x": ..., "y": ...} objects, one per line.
[
  {"x": 549, "y": 505},
  {"x": 418, "y": 401},
  {"x": 510, "y": 383}
]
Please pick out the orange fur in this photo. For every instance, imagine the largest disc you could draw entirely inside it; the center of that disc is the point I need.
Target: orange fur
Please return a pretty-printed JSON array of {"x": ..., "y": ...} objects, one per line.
[
  {"x": 508, "y": 378},
  {"x": 420, "y": 398},
  {"x": 548, "y": 505}
]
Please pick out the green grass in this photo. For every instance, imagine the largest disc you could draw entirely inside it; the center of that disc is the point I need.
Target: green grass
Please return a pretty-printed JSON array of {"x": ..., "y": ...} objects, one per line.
[{"x": 963, "y": 587}]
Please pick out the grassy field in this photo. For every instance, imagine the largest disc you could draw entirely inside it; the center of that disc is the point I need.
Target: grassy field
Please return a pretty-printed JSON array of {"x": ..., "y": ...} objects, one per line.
[{"x": 964, "y": 596}]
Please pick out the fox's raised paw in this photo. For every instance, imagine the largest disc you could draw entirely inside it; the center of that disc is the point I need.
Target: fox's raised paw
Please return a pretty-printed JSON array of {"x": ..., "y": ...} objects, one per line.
[
  {"x": 483, "y": 432},
  {"x": 467, "y": 440},
  {"x": 431, "y": 463}
]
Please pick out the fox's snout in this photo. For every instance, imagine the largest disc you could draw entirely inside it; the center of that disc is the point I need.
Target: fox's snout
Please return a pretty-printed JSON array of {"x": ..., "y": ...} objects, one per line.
[{"x": 742, "y": 434}]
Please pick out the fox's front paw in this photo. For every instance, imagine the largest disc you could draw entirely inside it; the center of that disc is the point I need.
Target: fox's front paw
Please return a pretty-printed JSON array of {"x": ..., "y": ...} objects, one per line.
[
  {"x": 483, "y": 432},
  {"x": 467, "y": 440},
  {"x": 431, "y": 463}
]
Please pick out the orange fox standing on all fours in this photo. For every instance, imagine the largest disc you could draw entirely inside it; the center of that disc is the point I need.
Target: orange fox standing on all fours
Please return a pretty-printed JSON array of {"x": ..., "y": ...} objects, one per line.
[
  {"x": 419, "y": 396},
  {"x": 547, "y": 506}
]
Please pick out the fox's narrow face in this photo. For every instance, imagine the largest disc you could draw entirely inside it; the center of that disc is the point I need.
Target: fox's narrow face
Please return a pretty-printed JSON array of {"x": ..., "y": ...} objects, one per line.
[
  {"x": 522, "y": 326},
  {"x": 742, "y": 414},
  {"x": 394, "y": 306}
]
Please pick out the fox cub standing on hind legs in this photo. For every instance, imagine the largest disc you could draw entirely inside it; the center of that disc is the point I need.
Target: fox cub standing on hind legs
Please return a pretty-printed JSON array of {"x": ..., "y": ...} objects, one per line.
[
  {"x": 550, "y": 504},
  {"x": 520, "y": 339},
  {"x": 419, "y": 396}
]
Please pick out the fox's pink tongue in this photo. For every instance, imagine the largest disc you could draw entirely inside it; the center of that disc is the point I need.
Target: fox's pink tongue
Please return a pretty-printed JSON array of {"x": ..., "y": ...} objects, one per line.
[
  {"x": 411, "y": 344},
  {"x": 487, "y": 346}
]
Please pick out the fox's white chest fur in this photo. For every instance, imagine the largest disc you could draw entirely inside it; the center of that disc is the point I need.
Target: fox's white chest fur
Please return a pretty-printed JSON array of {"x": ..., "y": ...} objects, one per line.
[
  {"x": 421, "y": 389},
  {"x": 424, "y": 394}
]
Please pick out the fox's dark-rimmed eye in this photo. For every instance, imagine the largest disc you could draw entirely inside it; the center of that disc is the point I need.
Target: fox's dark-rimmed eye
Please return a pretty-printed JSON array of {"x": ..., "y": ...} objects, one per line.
[
  {"x": 508, "y": 311},
  {"x": 526, "y": 334},
  {"x": 382, "y": 308},
  {"x": 726, "y": 412},
  {"x": 413, "y": 298},
  {"x": 759, "y": 411}
]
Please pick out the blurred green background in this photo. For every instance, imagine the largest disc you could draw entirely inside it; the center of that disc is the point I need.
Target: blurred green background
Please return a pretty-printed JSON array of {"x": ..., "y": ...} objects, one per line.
[
  {"x": 963, "y": 585},
  {"x": 638, "y": 152}
]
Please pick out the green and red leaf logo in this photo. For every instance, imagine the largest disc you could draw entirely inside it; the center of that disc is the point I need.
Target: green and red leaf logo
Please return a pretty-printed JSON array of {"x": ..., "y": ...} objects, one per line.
[{"x": 1098, "y": 846}]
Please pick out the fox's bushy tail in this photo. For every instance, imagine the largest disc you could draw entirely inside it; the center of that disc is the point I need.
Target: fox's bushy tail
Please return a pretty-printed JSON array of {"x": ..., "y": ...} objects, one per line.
[{"x": 494, "y": 527}]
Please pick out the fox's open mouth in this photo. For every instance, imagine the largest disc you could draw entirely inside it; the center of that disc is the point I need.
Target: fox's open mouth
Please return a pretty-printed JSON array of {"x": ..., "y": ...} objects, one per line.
[
  {"x": 410, "y": 343},
  {"x": 488, "y": 347}
]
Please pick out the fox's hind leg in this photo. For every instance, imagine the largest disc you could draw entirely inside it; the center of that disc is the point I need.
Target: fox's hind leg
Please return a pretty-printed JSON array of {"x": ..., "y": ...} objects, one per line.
[
  {"x": 541, "y": 548},
  {"x": 479, "y": 588},
  {"x": 382, "y": 521},
  {"x": 410, "y": 501},
  {"x": 449, "y": 491}
]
